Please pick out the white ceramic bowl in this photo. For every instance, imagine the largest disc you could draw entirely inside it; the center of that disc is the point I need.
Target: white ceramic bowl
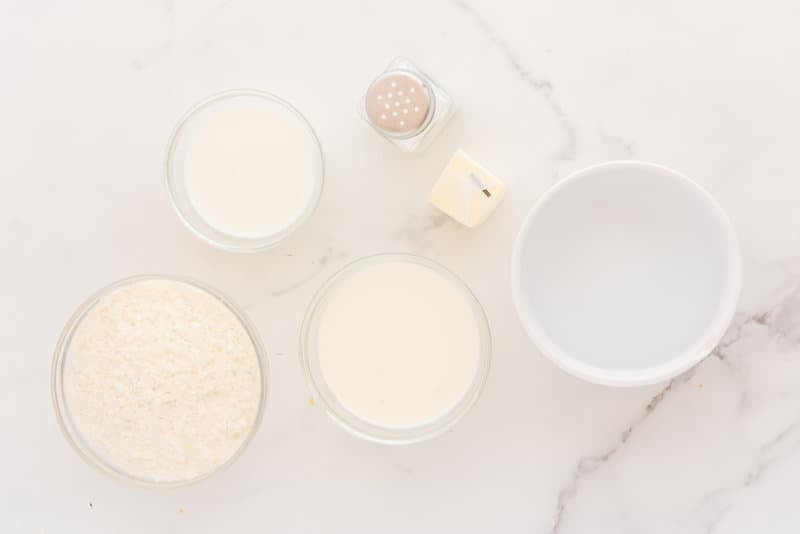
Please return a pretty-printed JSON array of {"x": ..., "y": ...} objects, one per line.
[{"x": 626, "y": 273}]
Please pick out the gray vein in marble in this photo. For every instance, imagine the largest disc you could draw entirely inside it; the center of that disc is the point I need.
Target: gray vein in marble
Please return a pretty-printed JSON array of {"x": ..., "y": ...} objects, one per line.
[
  {"x": 616, "y": 144},
  {"x": 153, "y": 53},
  {"x": 318, "y": 266},
  {"x": 540, "y": 86},
  {"x": 222, "y": 5},
  {"x": 169, "y": 8},
  {"x": 782, "y": 321},
  {"x": 735, "y": 333},
  {"x": 150, "y": 55},
  {"x": 589, "y": 464},
  {"x": 404, "y": 469},
  {"x": 320, "y": 263},
  {"x": 715, "y": 504},
  {"x": 412, "y": 233}
]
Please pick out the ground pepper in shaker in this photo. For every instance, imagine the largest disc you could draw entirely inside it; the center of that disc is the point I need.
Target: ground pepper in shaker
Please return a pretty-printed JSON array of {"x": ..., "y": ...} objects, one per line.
[{"x": 405, "y": 106}]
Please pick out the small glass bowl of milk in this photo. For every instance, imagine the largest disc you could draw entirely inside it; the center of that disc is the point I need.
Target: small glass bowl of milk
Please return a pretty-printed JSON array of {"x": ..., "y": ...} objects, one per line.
[
  {"x": 396, "y": 348},
  {"x": 244, "y": 169}
]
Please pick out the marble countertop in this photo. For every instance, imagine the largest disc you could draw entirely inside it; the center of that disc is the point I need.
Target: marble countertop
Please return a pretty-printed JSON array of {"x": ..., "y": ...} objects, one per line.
[{"x": 90, "y": 92}]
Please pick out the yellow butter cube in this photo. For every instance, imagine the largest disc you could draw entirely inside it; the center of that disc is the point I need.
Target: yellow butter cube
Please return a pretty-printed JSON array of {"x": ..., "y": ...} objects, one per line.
[{"x": 466, "y": 191}]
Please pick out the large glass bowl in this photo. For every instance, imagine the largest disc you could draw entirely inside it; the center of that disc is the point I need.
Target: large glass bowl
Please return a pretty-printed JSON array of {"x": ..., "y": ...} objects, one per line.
[{"x": 62, "y": 409}]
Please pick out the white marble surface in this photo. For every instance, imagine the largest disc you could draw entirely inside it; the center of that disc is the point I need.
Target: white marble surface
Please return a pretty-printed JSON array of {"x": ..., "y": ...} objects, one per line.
[{"x": 90, "y": 92}]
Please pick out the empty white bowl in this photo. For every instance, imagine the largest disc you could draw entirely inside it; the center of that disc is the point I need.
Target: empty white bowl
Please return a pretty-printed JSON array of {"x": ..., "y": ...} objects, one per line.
[{"x": 626, "y": 273}]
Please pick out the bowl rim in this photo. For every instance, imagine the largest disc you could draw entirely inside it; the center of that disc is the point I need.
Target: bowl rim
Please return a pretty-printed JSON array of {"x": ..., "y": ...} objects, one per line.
[
  {"x": 61, "y": 408},
  {"x": 354, "y": 424},
  {"x": 244, "y": 245},
  {"x": 671, "y": 367}
]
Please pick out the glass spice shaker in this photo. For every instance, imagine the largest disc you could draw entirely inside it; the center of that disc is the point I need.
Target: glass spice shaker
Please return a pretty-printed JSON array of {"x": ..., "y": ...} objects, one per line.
[{"x": 405, "y": 106}]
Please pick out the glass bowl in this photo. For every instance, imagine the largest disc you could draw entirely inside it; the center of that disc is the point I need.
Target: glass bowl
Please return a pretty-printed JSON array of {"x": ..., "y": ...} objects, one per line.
[
  {"x": 357, "y": 425},
  {"x": 61, "y": 406},
  {"x": 176, "y": 186}
]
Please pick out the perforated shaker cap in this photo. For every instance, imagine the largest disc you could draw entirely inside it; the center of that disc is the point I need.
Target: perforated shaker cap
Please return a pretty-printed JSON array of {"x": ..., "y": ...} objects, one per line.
[{"x": 399, "y": 103}]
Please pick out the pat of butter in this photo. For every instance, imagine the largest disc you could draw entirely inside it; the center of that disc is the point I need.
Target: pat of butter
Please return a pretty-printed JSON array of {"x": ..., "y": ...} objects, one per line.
[{"x": 466, "y": 191}]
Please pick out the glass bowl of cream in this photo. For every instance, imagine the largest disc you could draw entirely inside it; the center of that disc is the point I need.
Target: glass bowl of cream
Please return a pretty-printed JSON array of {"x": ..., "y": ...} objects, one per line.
[
  {"x": 396, "y": 348},
  {"x": 159, "y": 380},
  {"x": 244, "y": 169}
]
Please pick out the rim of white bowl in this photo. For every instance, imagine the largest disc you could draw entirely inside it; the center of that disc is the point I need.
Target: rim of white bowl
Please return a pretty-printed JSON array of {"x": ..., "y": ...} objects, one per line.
[{"x": 681, "y": 362}]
